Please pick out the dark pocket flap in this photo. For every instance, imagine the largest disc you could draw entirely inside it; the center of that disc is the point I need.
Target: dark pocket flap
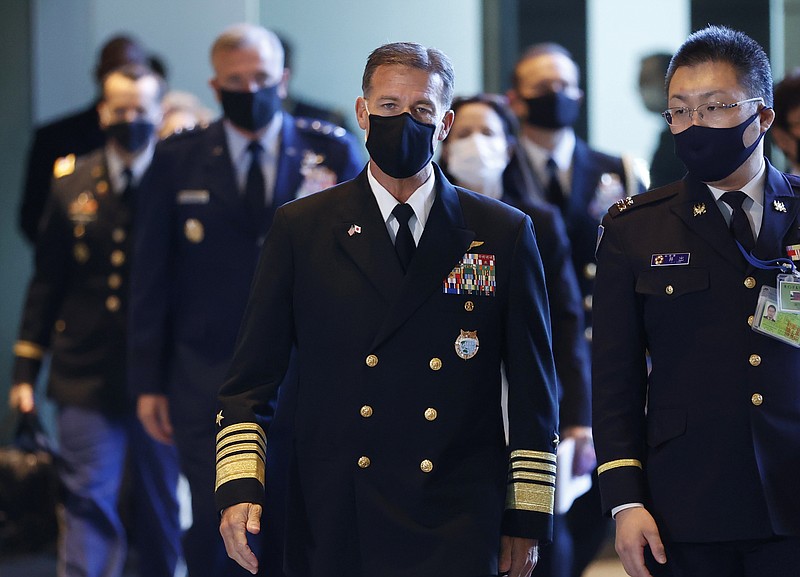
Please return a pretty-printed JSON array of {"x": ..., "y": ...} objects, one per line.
[
  {"x": 665, "y": 424},
  {"x": 672, "y": 282}
]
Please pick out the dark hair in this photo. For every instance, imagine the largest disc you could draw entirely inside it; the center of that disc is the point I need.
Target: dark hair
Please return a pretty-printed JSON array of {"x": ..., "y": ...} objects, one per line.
[
  {"x": 135, "y": 72},
  {"x": 116, "y": 52},
  {"x": 416, "y": 56},
  {"x": 722, "y": 44},
  {"x": 787, "y": 97},
  {"x": 539, "y": 50},
  {"x": 499, "y": 104}
]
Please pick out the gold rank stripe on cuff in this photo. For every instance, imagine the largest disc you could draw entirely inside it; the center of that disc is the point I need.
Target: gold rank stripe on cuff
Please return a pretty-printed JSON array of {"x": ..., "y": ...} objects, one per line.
[
  {"x": 28, "y": 350},
  {"x": 531, "y": 481},
  {"x": 241, "y": 453},
  {"x": 618, "y": 463}
]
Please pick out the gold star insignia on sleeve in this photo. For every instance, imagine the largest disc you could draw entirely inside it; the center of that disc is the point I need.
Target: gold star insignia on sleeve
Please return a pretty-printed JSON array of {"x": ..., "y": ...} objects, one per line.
[{"x": 219, "y": 419}]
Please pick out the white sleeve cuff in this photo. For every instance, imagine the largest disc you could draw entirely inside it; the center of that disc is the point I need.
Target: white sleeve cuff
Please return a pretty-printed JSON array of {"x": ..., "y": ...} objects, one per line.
[{"x": 619, "y": 508}]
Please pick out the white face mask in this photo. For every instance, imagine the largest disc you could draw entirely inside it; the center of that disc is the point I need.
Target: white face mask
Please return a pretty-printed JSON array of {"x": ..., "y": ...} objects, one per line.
[{"x": 478, "y": 162}]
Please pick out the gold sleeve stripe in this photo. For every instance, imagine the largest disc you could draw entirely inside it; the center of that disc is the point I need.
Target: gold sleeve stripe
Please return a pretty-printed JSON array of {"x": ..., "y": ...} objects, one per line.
[
  {"x": 533, "y": 466},
  {"x": 532, "y": 476},
  {"x": 525, "y": 454},
  {"x": 619, "y": 463},
  {"x": 248, "y": 427},
  {"x": 530, "y": 497},
  {"x": 28, "y": 350},
  {"x": 241, "y": 438},
  {"x": 241, "y": 448},
  {"x": 246, "y": 466}
]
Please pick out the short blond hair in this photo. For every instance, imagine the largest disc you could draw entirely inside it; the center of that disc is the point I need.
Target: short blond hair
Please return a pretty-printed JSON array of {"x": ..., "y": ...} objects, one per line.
[{"x": 245, "y": 35}]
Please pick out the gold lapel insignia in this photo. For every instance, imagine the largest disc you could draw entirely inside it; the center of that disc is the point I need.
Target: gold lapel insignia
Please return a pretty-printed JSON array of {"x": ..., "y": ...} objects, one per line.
[
  {"x": 475, "y": 244},
  {"x": 698, "y": 209},
  {"x": 778, "y": 205}
]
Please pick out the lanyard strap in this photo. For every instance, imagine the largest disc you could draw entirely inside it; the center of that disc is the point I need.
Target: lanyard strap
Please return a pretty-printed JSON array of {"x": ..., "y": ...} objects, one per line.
[{"x": 784, "y": 265}]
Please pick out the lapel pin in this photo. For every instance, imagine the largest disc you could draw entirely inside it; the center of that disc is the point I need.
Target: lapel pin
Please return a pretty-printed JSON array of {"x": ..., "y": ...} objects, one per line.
[
  {"x": 698, "y": 209},
  {"x": 354, "y": 229},
  {"x": 778, "y": 205}
]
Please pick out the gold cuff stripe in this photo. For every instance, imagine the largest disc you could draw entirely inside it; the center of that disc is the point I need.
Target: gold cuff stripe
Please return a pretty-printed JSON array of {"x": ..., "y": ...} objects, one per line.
[
  {"x": 246, "y": 466},
  {"x": 525, "y": 454},
  {"x": 619, "y": 463},
  {"x": 531, "y": 497},
  {"x": 241, "y": 438},
  {"x": 28, "y": 350},
  {"x": 535, "y": 466},
  {"x": 241, "y": 448},
  {"x": 531, "y": 476},
  {"x": 248, "y": 427}
]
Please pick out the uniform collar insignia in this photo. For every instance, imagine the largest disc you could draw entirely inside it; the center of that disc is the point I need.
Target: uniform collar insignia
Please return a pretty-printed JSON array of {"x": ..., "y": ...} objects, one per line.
[
  {"x": 778, "y": 205},
  {"x": 698, "y": 209}
]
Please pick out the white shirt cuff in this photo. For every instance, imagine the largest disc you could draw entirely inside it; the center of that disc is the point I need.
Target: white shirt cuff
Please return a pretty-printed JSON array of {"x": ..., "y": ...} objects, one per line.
[{"x": 619, "y": 508}]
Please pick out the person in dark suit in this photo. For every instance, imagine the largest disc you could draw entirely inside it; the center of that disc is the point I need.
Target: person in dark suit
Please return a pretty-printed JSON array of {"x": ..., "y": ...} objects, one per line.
[
  {"x": 399, "y": 464},
  {"x": 207, "y": 203},
  {"x": 786, "y": 131},
  {"x": 75, "y": 308},
  {"x": 76, "y": 134},
  {"x": 582, "y": 183},
  {"x": 697, "y": 458},
  {"x": 480, "y": 153}
]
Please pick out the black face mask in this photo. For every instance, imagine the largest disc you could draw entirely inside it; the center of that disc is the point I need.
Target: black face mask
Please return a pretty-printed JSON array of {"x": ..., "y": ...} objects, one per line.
[
  {"x": 400, "y": 145},
  {"x": 553, "y": 110},
  {"x": 251, "y": 111},
  {"x": 132, "y": 136}
]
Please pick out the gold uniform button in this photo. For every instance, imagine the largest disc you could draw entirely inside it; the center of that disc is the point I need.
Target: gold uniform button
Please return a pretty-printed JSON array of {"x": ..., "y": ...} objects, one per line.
[
  {"x": 469, "y": 306},
  {"x": 669, "y": 289},
  {"x": 435, "y": 364},
  {"x": 79, "y": 230},
  {"x": 750, "y": 320},
  {"x": 117, "y": 258},
  {"x": 372, "y": 360},
  {"x": 81, "y": 253},
  {"x": 118, "y": 235},
  {"x": 364, "y": 462},
  {"x": 590, "y": 271},
  {"x": 750, "y": 282},
  {"x": 426, "y": 466},
  {"x": 113, "y": 303},
  {"x": 366, "y": 411},
  {"x": 756, "y": 399},
  {"x": 755, "y": 360},
  {"x": 587, "y": 303},
  {"x": 431, "y": 414},
  {"x": 114, "y": 281},
  {"x": 102, "y": 187},
  {"x": 60, "y": 326}
]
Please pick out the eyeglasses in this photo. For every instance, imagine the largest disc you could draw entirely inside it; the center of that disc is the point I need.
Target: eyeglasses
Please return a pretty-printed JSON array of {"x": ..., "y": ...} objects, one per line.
[{"x": 711, "y": 113}]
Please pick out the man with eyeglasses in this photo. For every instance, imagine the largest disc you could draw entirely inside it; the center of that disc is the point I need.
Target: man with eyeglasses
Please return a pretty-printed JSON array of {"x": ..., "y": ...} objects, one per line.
[{"x": 698, "y": 458}]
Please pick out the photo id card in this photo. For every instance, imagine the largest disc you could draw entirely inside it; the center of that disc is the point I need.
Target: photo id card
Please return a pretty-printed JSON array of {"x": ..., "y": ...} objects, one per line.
[
  {"x": 789, "y": 293},
  {"x": 769, "y": 320}
]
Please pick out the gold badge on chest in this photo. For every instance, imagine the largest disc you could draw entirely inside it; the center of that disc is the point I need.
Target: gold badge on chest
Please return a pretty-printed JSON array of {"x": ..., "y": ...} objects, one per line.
[{"x": 467, "y": 344}]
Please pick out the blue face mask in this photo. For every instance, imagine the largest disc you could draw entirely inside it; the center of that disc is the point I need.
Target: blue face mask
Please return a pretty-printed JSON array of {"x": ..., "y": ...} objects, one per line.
[
  {"x": 132, "y": 136},
  {"x": 251, "y": 111},
  {"x": 711, "y": 154}
]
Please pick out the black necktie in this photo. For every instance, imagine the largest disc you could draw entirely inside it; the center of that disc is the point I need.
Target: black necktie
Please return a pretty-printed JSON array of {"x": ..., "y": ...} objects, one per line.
[
  {"x": 555, "y": 194},
  {"x": 127, "y": 188},
  {"x": 255, "y": 186},
  {"x": 404, "y": 244},
  {"x": 740, "y": 225}
]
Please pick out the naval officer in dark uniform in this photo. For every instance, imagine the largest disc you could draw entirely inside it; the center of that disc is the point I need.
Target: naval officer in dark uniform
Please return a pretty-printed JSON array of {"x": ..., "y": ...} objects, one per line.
[
  {"x": 76, "y": 308},
  {"x": 396, "y": 314},
  {"x": 206, "y": 205},
  {"x": 699, "y": 458}
]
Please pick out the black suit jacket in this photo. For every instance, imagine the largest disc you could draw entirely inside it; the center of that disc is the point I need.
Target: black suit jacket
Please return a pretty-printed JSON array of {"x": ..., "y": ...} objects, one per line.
[
  {"x": 77, "y": 299},
  {"x": 76, "y": 134},
  {"x": 710, "y": 459},
  {"x": 400, "y": 465}
]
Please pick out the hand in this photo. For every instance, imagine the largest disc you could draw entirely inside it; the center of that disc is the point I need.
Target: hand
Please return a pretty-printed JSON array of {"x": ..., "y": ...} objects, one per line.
[
  {"x": 518, "y": 556},
  {"x": 153, "y": 412},
  {"x": 585, "y": 459},
  {"x": 237, "y": 521},
  {"x": 636, "y": 528},
  {"x": 20, "y": 398}
]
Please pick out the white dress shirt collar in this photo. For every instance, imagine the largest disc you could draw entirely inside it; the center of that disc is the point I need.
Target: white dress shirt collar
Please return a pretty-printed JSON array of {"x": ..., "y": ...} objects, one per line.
[
  {"x": 116, "y": 166},
  {"x": 421, "y": 201},
  {"x": 561, "y": 155},
  {"x": 754, "y": 207}
]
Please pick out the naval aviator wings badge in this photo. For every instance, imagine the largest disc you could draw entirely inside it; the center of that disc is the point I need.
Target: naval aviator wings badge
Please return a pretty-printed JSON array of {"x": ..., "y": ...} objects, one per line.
[{"x": 467, "y": 344}]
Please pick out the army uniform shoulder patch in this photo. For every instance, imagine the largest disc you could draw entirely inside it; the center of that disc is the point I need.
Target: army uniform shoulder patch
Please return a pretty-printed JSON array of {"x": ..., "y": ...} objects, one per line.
[
  {"x": 633, "y": 202},
  {"x": 64, "y": 166}
]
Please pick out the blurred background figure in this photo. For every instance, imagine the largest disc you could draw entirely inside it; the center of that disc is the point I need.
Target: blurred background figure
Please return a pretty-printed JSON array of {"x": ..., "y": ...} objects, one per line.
[
  {"x": 665, "y": 167},
  {"x": 786, "y": 129},
  {"x": 76, "y": 134},
  {"x": 298, "y": 107},
  {"x": 76, "y": 308},
  {"x": 183, "y": 111},
  {"x": 481, "y": 154}
]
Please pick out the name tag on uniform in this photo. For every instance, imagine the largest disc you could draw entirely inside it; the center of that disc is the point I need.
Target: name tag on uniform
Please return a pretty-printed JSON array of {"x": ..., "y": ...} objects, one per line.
[
  {"x": 193, "y": 197},
  {"x": 473, "y": 275},
  {"x": 670, "y": 259}
]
